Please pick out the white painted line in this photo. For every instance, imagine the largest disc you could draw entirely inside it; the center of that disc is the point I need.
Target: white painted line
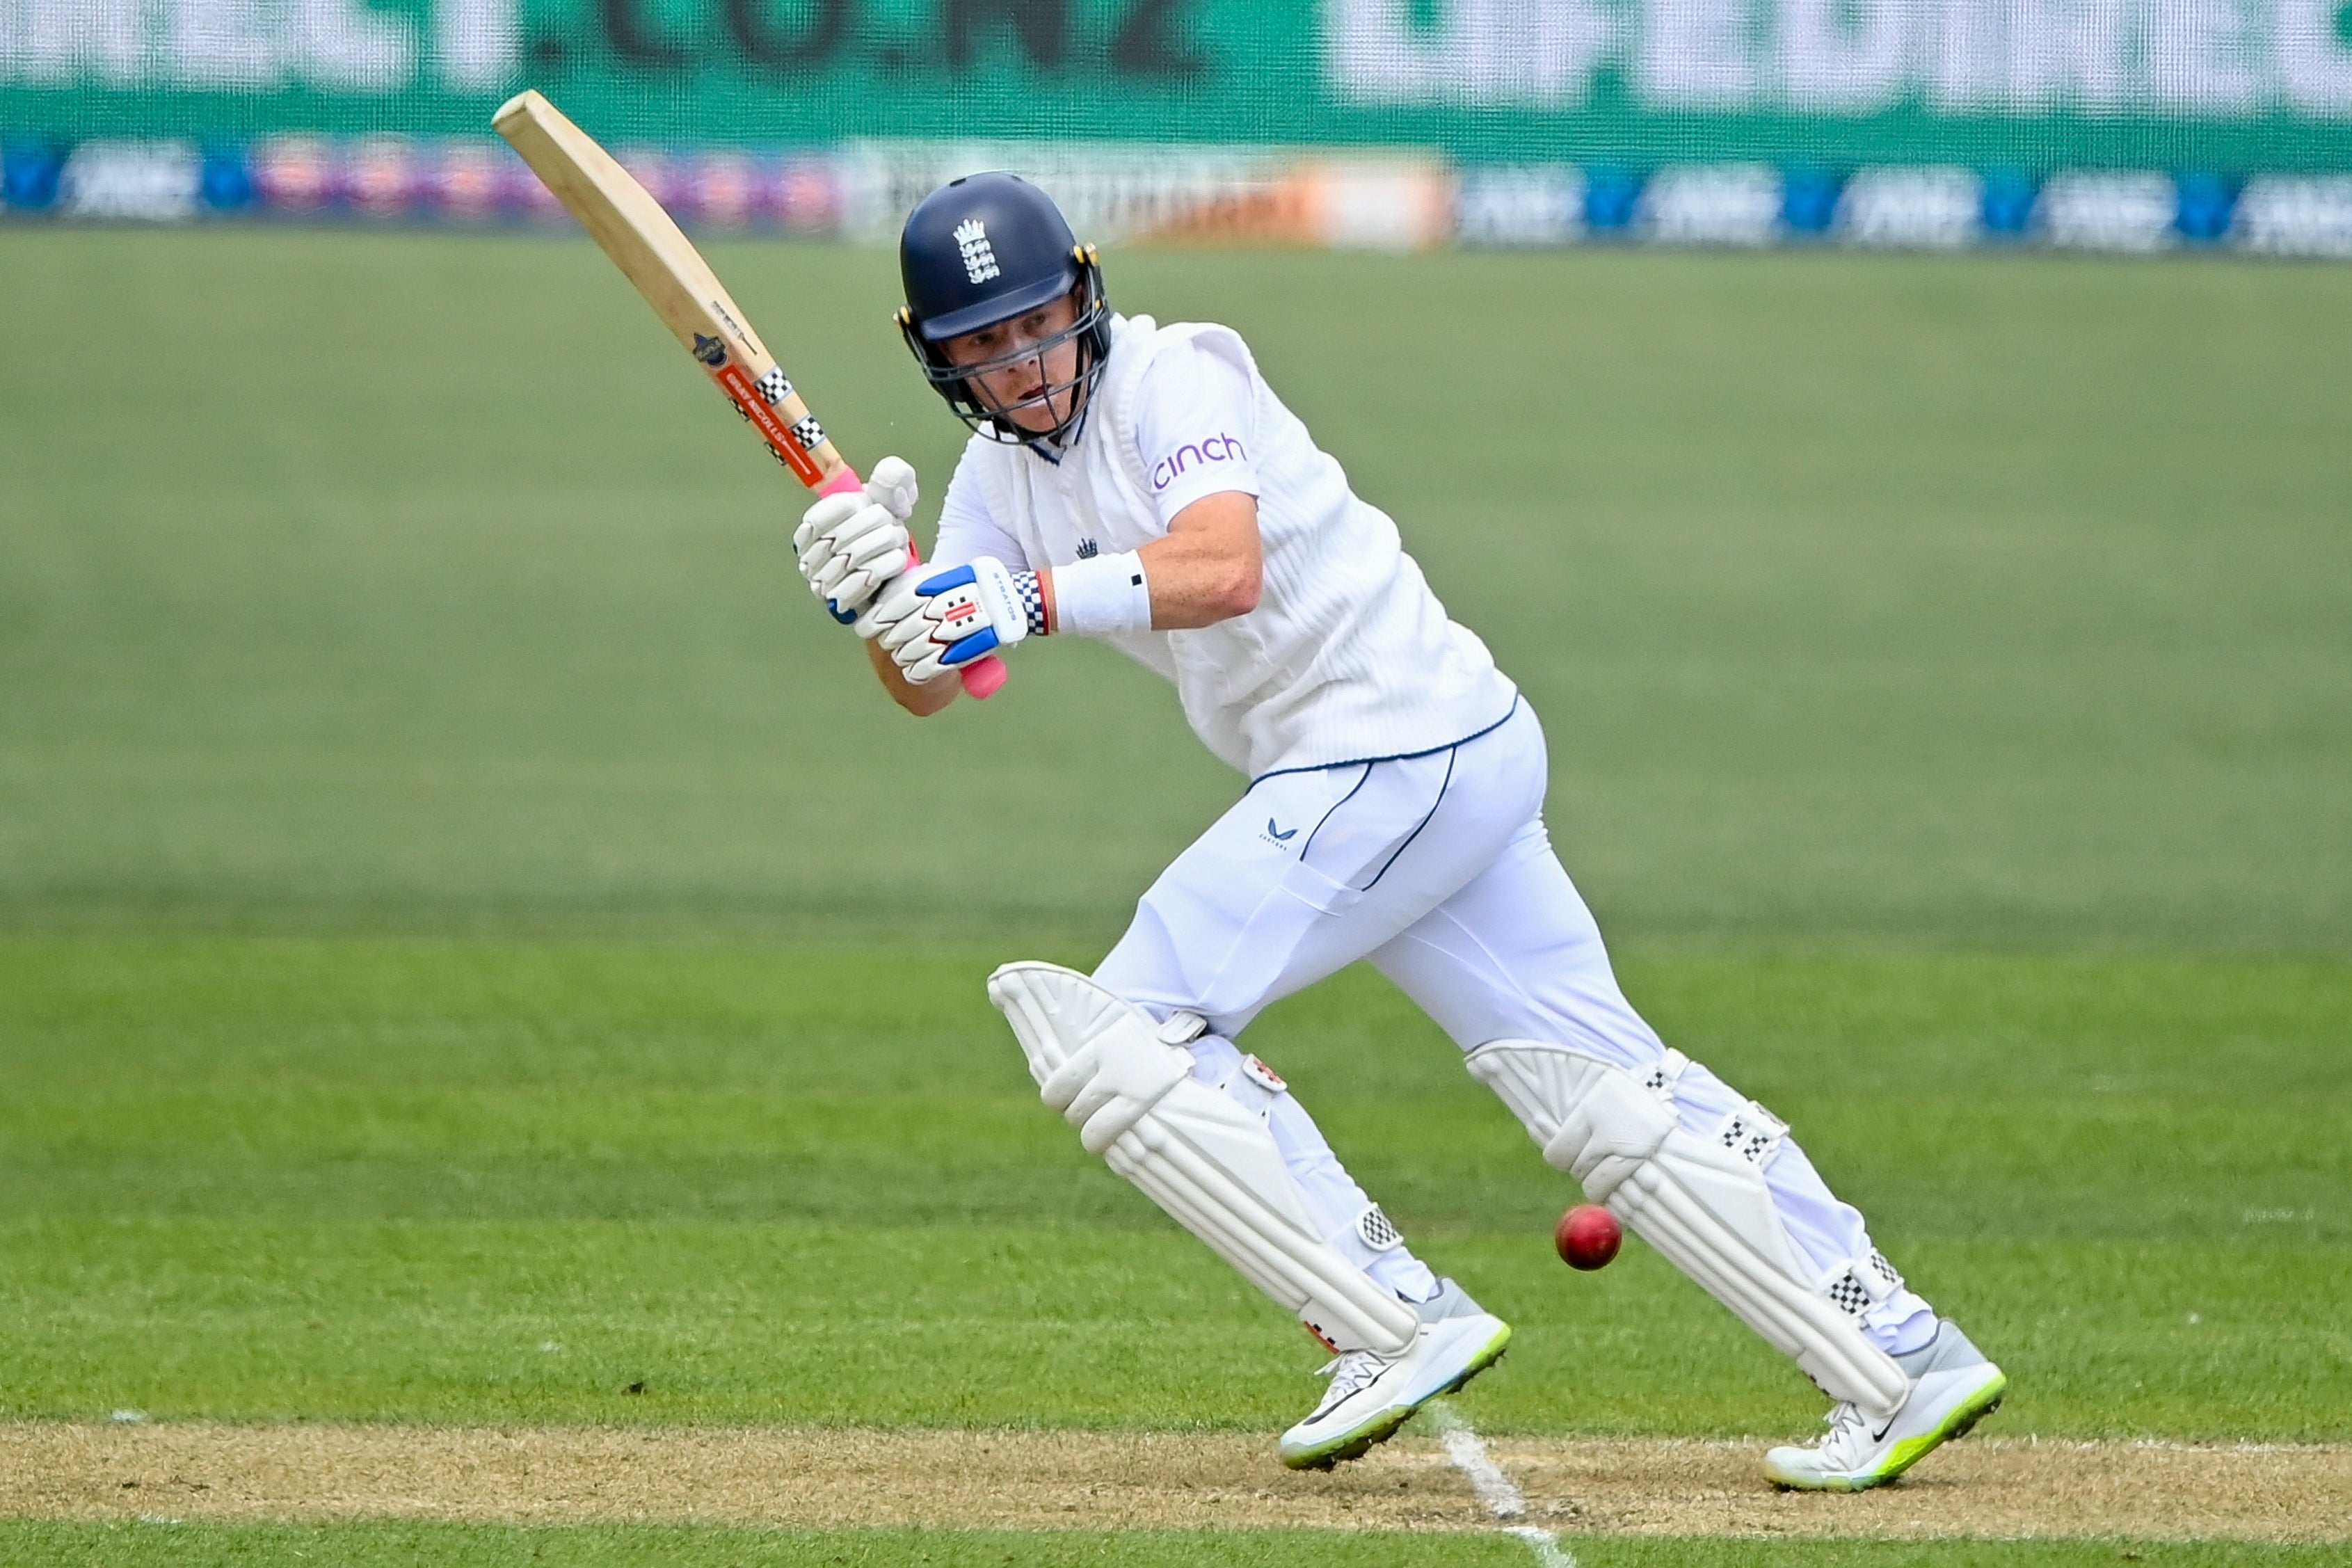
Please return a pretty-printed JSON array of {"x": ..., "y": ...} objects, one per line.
[
  {"x": 1487, "y": 1478},
  {"x": 1503, "y": 1499},
  {"x": 1549, "y": 1552}
]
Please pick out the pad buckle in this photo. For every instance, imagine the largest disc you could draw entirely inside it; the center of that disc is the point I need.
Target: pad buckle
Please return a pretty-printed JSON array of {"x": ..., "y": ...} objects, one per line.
[
  {"x": 1753, "y": 1133},
  {"x": 1182, "y": 1028},
  {"x": 1265, "y": 1077},
  {"x": 1862, "y": 1284},
  {"x": 1661, "y": 1079}
]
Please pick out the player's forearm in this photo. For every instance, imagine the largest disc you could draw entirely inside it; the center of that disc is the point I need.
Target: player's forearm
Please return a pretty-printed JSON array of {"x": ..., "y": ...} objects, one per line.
[
  {"x": 1197, "y": 582},
  {"x": 1209, "y": 567},
  {"x": 923, "y": 701}
]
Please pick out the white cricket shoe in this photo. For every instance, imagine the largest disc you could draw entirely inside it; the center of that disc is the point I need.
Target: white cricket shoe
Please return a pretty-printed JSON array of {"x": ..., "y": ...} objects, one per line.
[
  {"x": 1953, "y": 1387},
  {"x": 1371, "y": 1395}
]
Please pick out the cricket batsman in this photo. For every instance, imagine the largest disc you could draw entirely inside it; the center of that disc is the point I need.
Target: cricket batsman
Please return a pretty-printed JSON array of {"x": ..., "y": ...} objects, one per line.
[{"x": 1144, "y": 485}]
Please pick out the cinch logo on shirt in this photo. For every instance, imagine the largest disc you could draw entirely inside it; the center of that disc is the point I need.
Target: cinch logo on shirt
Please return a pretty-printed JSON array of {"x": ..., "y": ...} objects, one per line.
[{"x": 1216, "y": 449}]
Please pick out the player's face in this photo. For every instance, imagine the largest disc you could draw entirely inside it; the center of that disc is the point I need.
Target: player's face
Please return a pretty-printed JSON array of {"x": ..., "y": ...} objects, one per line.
[{"x": 1021, "y": 373}]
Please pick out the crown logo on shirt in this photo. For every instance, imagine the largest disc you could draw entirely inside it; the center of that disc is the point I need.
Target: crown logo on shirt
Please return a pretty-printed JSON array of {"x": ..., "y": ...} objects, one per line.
[{"x": 1088, "y": 549}]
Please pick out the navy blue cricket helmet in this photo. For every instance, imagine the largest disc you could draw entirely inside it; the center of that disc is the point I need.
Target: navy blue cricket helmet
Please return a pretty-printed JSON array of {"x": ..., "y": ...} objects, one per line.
[{"x": 983, "y": 250}]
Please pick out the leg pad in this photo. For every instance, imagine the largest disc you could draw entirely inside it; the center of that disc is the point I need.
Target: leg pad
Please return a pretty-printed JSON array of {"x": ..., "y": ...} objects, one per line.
[
  {"x": 1211, "y": 1165},
  {"x": 1703, "y": 1202}
]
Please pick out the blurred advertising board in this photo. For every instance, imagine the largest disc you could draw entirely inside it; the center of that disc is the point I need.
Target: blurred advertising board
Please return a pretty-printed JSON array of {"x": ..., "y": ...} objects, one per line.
[
  {"x": 1128, "y": 192},
  {"x": 2241, "y": 87},
  {"x": 2134, "y": 125}
]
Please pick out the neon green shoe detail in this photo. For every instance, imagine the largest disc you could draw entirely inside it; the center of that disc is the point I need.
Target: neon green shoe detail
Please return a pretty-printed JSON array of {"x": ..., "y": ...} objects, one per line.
[
  {"x": 1959, "y": 1423},
  {"x": 1953, "y": 1388},
  {"x": 1371, "y": 1395}
]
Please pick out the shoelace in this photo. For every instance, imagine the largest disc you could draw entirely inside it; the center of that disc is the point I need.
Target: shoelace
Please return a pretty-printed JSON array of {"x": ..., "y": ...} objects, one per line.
[
  {"x": 1351, "y": 1372},
  {"x": 1848, "y": 1441}
]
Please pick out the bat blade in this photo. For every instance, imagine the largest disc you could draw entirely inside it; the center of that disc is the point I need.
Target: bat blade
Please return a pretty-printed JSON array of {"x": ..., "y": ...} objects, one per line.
[{"x": 655, "y": 256}]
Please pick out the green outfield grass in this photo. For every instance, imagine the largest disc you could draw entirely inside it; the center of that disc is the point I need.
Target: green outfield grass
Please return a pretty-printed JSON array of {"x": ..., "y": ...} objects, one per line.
[
  {"x": 472, "y": 941},
  {"x": 416, "y": 579},
  {"x": 375, "y": 1180}
]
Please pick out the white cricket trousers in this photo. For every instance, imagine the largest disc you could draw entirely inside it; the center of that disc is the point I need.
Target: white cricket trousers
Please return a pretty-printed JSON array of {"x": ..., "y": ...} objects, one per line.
[{"x": 1438, "y": 869}]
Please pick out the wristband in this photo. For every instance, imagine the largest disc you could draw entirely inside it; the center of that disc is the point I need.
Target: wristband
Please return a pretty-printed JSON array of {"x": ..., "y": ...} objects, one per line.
[
  {"x": 1102, "y": 596},
  {"x": 1032, "y": 601}
]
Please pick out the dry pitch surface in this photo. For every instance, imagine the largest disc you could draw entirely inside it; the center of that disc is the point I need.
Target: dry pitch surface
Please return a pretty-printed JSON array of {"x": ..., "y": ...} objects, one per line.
[{"x": 1031, "y": 1480}]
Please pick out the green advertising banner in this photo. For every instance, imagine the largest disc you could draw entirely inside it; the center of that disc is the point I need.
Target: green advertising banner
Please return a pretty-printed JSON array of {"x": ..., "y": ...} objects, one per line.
[{"x": 2225, "y": 85}]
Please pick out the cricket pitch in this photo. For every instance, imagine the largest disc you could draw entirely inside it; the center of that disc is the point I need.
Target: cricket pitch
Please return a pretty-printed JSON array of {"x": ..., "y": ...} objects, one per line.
[{"x": 833, "y": 1478}]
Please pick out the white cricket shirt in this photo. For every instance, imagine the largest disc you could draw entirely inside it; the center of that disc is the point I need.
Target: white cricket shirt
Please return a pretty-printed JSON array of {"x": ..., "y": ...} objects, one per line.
[{"x": 1349, "y": 656}]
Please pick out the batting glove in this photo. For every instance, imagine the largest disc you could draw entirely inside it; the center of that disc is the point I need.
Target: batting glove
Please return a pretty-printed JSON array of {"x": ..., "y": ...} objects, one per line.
[
  {"x": 850, "y": 544},
  {"x": 935, "y": 621}
]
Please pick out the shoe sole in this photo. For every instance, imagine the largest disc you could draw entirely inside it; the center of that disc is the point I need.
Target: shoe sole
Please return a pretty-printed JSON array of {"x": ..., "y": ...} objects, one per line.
[
  {"x": 1355, "y": 1444},
  {"x": 1958, "y": 1423}
]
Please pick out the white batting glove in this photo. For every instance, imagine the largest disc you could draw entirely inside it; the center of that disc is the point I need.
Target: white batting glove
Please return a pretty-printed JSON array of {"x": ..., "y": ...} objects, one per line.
[
  {"x": 929, "y": 621},
  {"x": 851, "y": 543},
  {"x": 892, "y": 486}
]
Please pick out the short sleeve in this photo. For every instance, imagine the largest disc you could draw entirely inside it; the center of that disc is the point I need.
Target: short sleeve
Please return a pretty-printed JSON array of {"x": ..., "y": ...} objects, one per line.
[
  {"x": 966, "y": 530},
  {"x": 1195, "y": 427}
]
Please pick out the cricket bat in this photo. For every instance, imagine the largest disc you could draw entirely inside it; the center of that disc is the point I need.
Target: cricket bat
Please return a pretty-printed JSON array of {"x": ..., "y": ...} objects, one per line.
[{"x": 653, "y": 254}]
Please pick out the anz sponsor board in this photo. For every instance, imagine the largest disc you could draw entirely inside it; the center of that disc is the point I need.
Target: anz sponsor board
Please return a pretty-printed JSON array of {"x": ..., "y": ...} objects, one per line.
[
  {"x": 1917, "y": 207},
  {"x": 2284, "y": 216},
  {"x": 1113, "y": 192},
  {"x": 1125, "y": 194},
  {"x": 399, "y": 178}
]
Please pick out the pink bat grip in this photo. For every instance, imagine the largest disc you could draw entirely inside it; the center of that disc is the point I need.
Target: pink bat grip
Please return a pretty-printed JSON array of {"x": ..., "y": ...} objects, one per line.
[{"x": 981, "y": 677}]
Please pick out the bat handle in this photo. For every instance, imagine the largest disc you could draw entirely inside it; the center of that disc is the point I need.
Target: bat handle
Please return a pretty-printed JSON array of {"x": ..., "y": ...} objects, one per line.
[{"x": 982, "y": 677}]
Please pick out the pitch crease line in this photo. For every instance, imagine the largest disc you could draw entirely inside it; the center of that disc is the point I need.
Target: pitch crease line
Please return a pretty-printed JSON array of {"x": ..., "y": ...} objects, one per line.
[{"x": 1503, "y": 1499}]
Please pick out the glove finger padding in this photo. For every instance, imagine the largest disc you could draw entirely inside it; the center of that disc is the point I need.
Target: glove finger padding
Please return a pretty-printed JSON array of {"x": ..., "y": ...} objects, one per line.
[
  {"x": 824, "y": 514},
  {"x": 861, "y": 566},
  {"x": 891, "y": 486},
  {"x": 849, "y": 545},
  {"x": 890, "y": 608},
  {"x": 955, "y": 615},
  {"x": 908, "y": 627}
]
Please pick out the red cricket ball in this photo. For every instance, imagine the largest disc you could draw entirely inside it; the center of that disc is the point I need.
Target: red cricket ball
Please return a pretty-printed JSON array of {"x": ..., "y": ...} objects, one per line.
[{"x": 1587, "y": 1236}]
